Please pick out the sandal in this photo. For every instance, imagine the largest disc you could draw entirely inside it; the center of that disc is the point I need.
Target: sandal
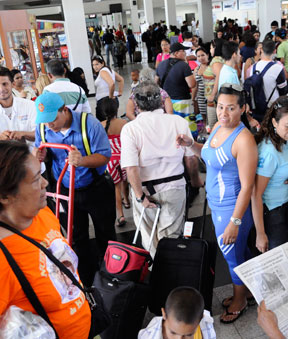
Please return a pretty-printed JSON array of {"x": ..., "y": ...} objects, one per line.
[
  {"x": 126, "y": 204},
  {"x": 227, "y": 301},
  {"x": 236, "y": 313},
  {"x": 121, "y": 221}
]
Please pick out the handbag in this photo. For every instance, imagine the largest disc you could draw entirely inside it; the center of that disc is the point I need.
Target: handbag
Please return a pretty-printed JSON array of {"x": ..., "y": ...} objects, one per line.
[
  {"x": 126, "y": 262},
  {"x": 100, "y": 318}
]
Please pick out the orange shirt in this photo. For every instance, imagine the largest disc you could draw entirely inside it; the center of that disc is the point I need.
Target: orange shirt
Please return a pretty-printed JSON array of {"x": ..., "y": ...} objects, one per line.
[{"x": 64, "y": 303}]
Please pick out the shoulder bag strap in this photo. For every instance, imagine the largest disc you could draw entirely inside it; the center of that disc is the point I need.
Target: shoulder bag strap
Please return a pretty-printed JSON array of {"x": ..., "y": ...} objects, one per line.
[
  {"x": 77, "y": 103},
  {"x": 26, "y": 286},
  {"x": 171, "y": 63},
  {"x": 270, "y": 64},
  {"x": 61, "y": 266},
  {"x": 85, "y": 138},
  {"x": 42, "y": 132}
]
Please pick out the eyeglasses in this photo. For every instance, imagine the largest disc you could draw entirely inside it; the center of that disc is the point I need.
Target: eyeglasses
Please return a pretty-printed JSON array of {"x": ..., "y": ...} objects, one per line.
[{"x": 236, "y": 87}]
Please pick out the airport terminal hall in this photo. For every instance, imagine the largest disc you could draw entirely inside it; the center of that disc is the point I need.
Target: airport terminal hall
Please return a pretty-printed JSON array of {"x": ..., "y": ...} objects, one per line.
[{"x": 143, "y": 169}]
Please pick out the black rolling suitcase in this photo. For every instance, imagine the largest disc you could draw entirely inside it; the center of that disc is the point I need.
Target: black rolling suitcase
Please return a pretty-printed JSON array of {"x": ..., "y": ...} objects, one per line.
[
  {"x": 125, "y": 300},
  {"x": 183, "y": 262},
  {"x": 137, "y": 56}
]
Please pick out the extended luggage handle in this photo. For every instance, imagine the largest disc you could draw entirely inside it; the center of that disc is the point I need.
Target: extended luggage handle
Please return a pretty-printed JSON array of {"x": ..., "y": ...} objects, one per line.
[
  {"x": 59, "y": 196},
  {"x": 154, "y": 224}
]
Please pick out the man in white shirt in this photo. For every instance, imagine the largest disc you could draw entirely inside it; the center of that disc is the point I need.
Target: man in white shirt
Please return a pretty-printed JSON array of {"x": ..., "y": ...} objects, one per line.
[
  {"x": 73, "y": 95},
  {"x": 17, "y": 115},
  {"x": 155, "y": 165},
  {"x": 274, "y": 79}
]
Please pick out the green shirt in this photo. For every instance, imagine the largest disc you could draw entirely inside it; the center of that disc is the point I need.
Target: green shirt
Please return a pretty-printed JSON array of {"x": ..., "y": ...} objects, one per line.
[{"x": 282, "y": 52}]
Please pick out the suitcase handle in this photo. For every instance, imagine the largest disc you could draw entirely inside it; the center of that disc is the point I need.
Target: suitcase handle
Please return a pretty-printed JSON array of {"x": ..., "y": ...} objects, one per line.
[{"x": 154, "y": 224}]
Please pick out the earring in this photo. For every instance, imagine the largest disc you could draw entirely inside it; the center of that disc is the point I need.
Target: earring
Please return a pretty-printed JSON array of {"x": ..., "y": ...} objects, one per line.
[{"x": 275, "y": 130}]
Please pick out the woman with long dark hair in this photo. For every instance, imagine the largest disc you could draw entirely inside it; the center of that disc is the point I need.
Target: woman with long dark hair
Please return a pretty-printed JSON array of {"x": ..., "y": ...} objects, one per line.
[
  {"x": 105, "y": 84},
  {"x": 211, "y": 78},
  {"x": 165, "y": 54},
  {"x": 113, "y": 127},
  {"x": 198, "y": 94},
  {"x": 230, "y": 154},
  {"x": 270, "y": 196}
]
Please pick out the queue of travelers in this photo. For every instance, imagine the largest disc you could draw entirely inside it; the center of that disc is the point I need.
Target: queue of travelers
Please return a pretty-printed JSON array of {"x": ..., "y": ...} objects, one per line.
[{"x": 245, "y": 155}]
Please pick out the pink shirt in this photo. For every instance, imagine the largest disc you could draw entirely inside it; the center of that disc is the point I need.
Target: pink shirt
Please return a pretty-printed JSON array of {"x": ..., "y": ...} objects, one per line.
[{"x": 162, "y": 56}]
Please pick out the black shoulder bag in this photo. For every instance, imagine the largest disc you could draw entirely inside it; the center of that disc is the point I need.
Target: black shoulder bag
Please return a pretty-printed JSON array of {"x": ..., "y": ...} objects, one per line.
[{"x": 100, "y": 318}]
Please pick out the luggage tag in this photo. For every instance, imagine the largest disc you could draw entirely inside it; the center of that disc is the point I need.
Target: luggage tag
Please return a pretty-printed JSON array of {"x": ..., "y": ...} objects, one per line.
[{"x": 188, "y": 229}]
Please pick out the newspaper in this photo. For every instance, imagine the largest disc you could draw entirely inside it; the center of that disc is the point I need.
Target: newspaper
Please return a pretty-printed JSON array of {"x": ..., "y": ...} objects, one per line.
[{"x": 266, "y": 276}]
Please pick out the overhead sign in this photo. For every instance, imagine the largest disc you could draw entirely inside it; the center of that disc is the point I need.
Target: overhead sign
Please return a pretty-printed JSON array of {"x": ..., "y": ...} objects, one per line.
[
  {"x": 247, "y": 4},
  {"x": 229, "y": 5}
]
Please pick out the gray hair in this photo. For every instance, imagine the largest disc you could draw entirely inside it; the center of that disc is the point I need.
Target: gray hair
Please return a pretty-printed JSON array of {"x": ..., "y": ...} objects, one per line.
[
  {"x": 147, "y": 74},
  {"x": 147, "y": 96}
]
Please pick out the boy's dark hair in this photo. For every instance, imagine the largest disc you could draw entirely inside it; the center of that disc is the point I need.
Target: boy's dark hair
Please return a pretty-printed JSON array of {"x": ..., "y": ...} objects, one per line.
[
  {"x": 228, "y": 49},
  {"x": 274, "y": 23},
  {"x": 14, "y": 72},
  {"x": 187, "y": 35},
  {"x": 5, "y": 72},
  {"x": 135, "y": 70},
  {"x": 186, "y": 304},
  {"x": 55, "y": 67},
  {"x": 268, "y": 47}
]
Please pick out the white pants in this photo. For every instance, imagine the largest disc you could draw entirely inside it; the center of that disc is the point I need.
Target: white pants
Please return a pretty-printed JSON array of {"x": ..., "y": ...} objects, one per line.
[{"x": 171, "y": 220}]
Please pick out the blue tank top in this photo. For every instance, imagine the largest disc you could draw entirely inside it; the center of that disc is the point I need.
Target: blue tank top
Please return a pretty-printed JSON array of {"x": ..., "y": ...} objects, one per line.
[{"x": 222, "y": 179}]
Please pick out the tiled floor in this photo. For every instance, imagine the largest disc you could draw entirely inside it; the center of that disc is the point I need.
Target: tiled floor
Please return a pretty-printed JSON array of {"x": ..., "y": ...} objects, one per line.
[{"x": 246, "y": 327}]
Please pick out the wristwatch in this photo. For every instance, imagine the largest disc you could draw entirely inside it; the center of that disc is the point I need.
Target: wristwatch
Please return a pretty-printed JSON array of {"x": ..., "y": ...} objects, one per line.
[
  {"x": 236, "y": 221},
  {"x": 142, "y": 198}
]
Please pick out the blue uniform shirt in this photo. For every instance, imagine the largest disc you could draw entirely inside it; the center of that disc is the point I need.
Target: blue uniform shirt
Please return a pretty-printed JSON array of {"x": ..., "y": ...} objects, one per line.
[
  {"x": 274, "y": 165},
  {"x": 99, "y": 143}
]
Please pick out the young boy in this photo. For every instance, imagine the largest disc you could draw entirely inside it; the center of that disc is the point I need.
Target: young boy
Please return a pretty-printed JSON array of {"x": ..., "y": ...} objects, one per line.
[
  {"x": 182, "y": 317},
  {"x": 135, "y": 78}
]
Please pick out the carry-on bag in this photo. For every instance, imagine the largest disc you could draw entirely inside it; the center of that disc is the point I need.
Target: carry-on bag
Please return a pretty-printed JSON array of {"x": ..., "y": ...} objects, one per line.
[
  {"x": 126, "y": 300},
  {"x": 183, "y": 262},
  {"x": 137, "y": 56}
]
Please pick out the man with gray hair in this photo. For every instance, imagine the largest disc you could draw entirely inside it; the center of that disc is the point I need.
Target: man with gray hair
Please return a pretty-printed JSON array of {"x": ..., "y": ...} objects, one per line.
[
  {"x": 155, "y": 165},
  {"x": 73, "y": 95}
]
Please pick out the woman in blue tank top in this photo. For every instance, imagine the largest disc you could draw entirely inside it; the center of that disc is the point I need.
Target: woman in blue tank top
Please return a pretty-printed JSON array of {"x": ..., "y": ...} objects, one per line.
[{"x": 230, "y": 154}]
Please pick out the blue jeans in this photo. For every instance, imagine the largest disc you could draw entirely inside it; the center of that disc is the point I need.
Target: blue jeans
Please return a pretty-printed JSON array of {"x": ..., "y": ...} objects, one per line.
[
  {"x": 276, "y": 225},
  {"x": 109, "y": 49}
]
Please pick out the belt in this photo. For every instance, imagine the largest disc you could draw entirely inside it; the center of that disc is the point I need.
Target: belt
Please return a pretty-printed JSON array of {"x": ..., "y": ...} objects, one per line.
[{"x": 151, "y": 183}]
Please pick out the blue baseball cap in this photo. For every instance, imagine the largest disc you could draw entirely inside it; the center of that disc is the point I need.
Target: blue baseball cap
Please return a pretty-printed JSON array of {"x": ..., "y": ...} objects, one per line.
[{"x": 47, "y": 106}]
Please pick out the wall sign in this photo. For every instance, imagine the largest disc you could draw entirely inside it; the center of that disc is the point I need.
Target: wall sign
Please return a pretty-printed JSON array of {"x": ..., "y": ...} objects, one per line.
[{"x": 229, "y": 5}]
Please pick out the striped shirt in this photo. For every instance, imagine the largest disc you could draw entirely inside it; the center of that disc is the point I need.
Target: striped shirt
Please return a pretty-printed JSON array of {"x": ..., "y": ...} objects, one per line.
[{"x": 70, "y": 93}]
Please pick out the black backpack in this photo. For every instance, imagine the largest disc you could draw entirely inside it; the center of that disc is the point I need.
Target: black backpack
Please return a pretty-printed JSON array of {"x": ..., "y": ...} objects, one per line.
[{"x": 254, "y": 87}]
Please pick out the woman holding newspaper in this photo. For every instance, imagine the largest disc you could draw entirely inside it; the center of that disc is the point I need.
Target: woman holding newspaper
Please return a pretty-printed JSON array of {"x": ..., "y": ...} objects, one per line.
[
  {"x": 270, "y": 195},
  {"x": 230, "y": 154}
]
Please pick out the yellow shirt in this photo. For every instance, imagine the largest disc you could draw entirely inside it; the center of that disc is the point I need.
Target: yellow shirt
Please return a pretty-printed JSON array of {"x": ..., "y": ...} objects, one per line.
[{"x": 198, "y": 334}]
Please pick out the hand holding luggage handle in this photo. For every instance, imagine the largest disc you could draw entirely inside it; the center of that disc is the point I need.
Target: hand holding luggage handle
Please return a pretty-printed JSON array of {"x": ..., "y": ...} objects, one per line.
[
  {"x": 59, "y": 196},
  {"x": 154, "y": 224}
]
